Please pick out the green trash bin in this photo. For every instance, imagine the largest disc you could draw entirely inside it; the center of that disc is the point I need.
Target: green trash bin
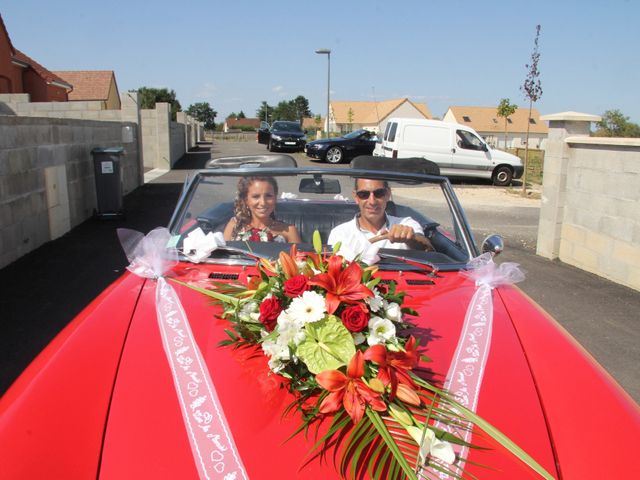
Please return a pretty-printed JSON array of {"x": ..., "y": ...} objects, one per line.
[{"x": 108, "y": 174}]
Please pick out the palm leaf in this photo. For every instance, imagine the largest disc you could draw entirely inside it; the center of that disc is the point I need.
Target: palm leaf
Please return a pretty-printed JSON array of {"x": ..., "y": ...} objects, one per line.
[
  {"x": 210, "y": 293},
  {"x": 400, "y": 460},
  {"x": 485, "y": 426}
]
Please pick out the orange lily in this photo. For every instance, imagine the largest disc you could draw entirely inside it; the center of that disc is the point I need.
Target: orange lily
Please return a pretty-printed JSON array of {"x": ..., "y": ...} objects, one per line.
[
  {"x": 289, "y": 266},
  {"x": 349, "y": 390},
  {"x": 342, "y": 285},
  {"x": 302, "y": 256},
  {"x": 394, "y": 367}
]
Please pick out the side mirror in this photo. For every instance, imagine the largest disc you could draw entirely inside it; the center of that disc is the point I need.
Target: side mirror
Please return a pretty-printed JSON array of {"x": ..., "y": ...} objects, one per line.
[
  {"x": 484, "y": 147},
  {"x": 493, "y": 244}
]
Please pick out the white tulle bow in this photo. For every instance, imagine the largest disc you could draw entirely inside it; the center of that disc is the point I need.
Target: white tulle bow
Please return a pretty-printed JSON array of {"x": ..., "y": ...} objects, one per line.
[
  {"x": 484, "y": 271},
  {"x": 148, "y": 255}
]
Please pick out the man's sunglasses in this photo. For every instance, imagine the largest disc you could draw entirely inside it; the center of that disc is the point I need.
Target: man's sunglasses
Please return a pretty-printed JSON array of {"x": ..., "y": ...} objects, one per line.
[{"x": 378, "y": 193}]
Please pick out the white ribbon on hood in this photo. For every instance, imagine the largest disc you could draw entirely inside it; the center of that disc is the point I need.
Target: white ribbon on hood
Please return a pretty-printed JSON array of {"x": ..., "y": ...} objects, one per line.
[
  {"x": 464, "y": 379},
  {"x": 214, "y": 451}
]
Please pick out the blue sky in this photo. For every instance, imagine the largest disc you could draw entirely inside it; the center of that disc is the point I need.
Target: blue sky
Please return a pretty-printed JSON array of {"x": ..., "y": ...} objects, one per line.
[{"x": 236, "y": 54}]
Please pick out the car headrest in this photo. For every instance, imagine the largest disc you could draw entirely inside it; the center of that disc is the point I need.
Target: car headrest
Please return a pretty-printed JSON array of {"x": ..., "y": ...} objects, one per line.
[
  {"x": 408, "y": 165},
  {"x": 254, "y": 161}
]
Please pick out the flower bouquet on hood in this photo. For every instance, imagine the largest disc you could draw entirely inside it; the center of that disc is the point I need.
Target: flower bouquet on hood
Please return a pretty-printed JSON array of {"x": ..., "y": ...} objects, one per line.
[{"x": 340, "y": 336}]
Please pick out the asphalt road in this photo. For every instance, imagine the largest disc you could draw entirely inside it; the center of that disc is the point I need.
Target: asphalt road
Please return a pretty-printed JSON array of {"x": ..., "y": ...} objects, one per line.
[{"x": 44, "y": 290}]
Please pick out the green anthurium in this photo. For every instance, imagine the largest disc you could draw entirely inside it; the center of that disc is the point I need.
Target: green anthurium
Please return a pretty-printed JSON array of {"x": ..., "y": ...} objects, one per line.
[{"x": 328, "y": 345}]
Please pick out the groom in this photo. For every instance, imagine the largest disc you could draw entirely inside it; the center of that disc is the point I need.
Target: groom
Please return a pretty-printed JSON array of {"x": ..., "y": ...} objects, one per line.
[{"x": 375, "y": 225}]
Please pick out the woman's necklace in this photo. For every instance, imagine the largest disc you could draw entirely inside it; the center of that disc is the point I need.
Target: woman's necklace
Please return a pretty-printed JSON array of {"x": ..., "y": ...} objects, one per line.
[{"x": 262, "y": 227}]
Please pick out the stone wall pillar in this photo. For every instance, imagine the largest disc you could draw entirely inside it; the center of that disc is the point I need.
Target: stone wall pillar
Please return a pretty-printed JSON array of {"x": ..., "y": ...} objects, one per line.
[
  {"x": 556, "y": 161},
  {"x": 163, "y": 131},
  {"x": 130, "y": 108}
]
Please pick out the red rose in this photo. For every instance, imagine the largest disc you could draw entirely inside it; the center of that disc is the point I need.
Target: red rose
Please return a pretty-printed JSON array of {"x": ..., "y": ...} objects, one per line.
[
  {"x": 296, "y": 286},
  {"x": 355, "y": 318},
  {"x": 270, "y": 308}
]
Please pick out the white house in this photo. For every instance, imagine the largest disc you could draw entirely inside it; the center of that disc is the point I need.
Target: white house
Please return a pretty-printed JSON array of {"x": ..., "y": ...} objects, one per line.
[
  {"x": 347, "y": 116},
  {"x": 491, "y": 127}
]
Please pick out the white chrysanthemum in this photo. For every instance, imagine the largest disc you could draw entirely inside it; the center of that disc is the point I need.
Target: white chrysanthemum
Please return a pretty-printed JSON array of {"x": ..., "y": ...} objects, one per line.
[
  {"x": 375, "y": 303},
  {"x": 307, "y": 308},
  {"x": 289, "y": 330},
  {"x": 381, "y": 330},
  {"x": 394, "y": 312}
]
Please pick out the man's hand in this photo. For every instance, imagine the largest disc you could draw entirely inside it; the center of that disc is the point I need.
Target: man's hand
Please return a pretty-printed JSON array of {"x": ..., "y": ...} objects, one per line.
[
  {"x": 400, "y": 234},
  {"x": 405, "y": 234}
]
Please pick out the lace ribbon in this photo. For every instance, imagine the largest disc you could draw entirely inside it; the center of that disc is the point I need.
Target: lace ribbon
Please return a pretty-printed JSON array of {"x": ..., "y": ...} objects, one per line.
[
  {"x": 464, "y": 379},
  {"x": 214, "y": 451}
]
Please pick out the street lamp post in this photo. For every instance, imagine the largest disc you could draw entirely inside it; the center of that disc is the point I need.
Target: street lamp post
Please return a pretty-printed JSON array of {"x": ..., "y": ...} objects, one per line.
[{"x": 327, "y": 52}]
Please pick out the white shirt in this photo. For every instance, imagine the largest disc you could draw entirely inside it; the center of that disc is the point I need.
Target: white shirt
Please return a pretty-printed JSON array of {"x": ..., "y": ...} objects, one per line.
[{"x": 350, "y": 232}]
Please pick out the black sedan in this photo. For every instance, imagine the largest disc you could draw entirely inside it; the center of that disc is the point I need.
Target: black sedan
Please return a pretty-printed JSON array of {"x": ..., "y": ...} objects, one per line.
[
  {"x": 336, "y": 150},
  {"x": 282, "y": 136}
]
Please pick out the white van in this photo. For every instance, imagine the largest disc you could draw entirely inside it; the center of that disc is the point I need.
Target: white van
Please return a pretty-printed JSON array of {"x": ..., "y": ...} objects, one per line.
[{"x": 458, "y": 150}]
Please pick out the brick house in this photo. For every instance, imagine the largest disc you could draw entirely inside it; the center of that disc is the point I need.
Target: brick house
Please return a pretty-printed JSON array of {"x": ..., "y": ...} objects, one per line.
[
  {"x": 233, "y": 123},
  {"x": 19, "y": 73}
]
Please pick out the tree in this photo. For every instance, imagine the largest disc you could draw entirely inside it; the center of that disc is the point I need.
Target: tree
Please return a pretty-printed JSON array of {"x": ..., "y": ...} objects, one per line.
[
  {"x": 350, "y": 118},
  {"x": 293, "y": 110},
  {"x": 301, "y": 107},
  {"x": 506, "y": 109},
  {"x": 150, "y": 96},
  {"x": 241, "y": 115},
  {"x": 265, "y": 112},
  {"x": 203, "y": 112},
  {"x": 532, "y": 89},
  {"x": 285, "y": 111},
  {"x": 615, "y": 124}
]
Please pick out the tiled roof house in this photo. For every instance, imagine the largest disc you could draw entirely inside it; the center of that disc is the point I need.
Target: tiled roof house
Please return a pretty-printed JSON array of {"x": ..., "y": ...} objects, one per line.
[
  {"x": 94, "y": 85},
  {"x": 491, "y": 127},
  {"x": 232, "y": 123},
  {"x": 347, "y": 116}
]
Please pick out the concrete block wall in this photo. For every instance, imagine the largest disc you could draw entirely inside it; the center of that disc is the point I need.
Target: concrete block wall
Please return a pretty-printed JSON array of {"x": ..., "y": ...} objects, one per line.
[
  {"x": 590, "y": 216},
  {"x": 47, "y": 184},
  {"x": 157, "y": 146},
  {"x": 178, "y": 141}
]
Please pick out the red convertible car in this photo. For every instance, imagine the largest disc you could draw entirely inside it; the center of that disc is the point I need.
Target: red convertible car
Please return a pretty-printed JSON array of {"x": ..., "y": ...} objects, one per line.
[{"x": 105, "y": 399}]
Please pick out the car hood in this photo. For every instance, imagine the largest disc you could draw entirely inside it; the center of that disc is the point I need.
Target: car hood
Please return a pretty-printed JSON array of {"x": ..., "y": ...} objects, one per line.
[
  {"x": 286, "y": 133},
  {"x": 146, "y": 438}
]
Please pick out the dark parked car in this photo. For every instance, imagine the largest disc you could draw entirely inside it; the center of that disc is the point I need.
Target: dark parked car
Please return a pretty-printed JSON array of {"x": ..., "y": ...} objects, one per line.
[
  {"x": 282, "y": 136},
  {"x": 336, "y": 150}
]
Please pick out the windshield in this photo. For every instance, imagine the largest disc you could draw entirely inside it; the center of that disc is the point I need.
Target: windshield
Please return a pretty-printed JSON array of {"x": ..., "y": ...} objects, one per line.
[
  {"x": 355, "y": 134},
  {"x": 279, "y": 202},
  {"x": 286, "y": 127}
]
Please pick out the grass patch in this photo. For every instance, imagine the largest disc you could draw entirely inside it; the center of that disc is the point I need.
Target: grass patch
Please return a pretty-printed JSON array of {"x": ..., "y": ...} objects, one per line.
[{"x": 535, "y": 164}]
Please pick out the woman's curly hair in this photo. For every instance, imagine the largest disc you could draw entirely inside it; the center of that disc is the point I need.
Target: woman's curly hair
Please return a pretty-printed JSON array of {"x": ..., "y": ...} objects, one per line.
[{"x": 241, "y": 211}]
